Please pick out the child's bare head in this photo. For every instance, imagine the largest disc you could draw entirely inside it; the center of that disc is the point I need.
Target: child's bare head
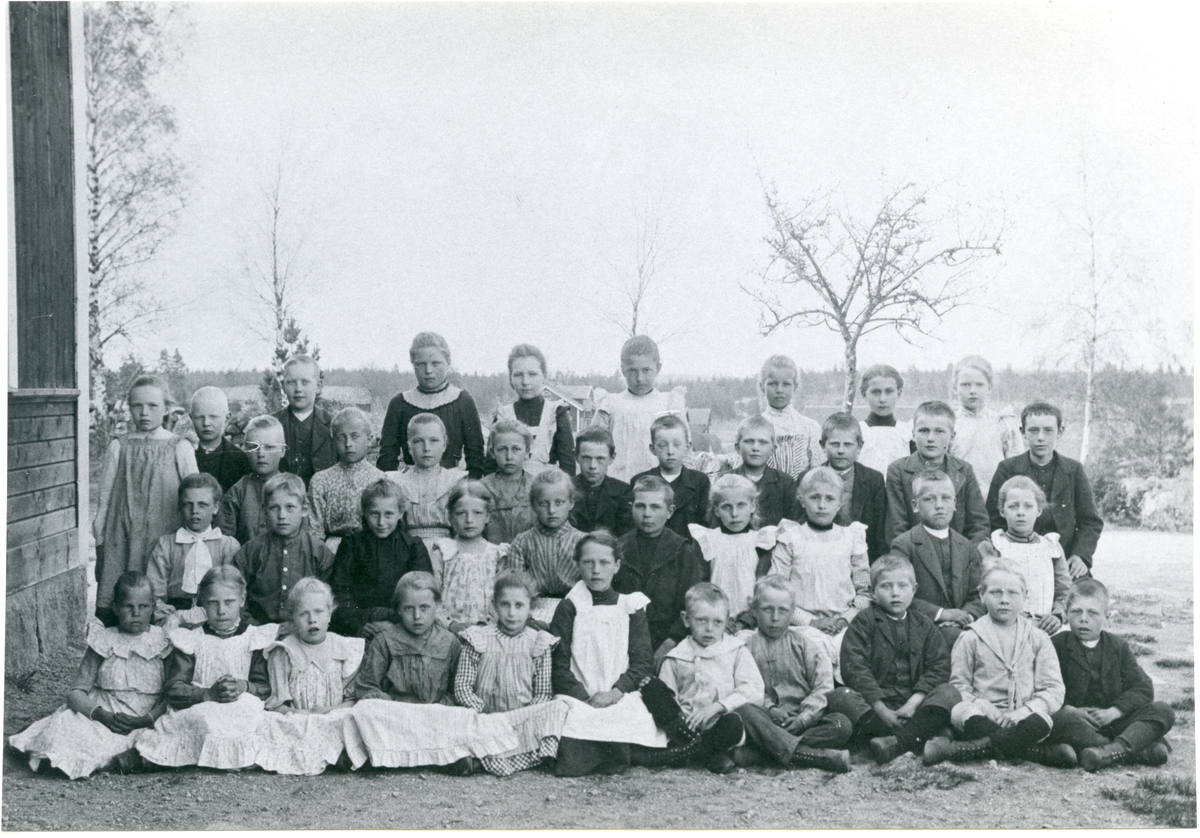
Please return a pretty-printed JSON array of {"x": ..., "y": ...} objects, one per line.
[
  {"x": 222, "y": 595},
  {"x": 133, "y": 600},
  {"x": 934, "y": 498},
  {"x": 971, "y": 382},
  {"x": 821, "y": 495},
  {"x": 426, "y": 440},
  {"x": 199, "y": 497},
  {"x": 309, "y": 609},
  {"x": 382, "y": 503},
  {"x": 552, "y": 496},
  {"x": 893, "y": 584},
  {"x": 773, "y": 604},
  {"x": 669, "y": 442},
  {"x": 509, "y": 443},
  {"x": 1021, "y": 501},
  {"x": 706, "y": 611},
  {"x": 264, "y": 445},
  {"x": 594, "y": 451},
  {"x": 352, "y": 437},
  {"x": 1003, "y": 591},
  {"x": 430, "y": 357},
  {"x": 653, "y": 504},
  {"x": 301, "y": 382},
  {"x": 640, "y": 364},
  {"x": 755, "y": 440},
  {"x": 149, "y": 399},
  {"x": 842, "y": 440},
  {"x": 881, "y": 387},
  {"x": 209, "y": 412},
  {"x": 286, "y": 501},
  {"x": 416, "y": 598},
  {"x": 469, "y": 509},
  {"x": 1087, "y": 609},
  {"x": 512, "y": 595},
  {"x": 933, "y": 430},
  {"x": 779, "y": 381},
  {"x": 732, "y": 502},
  {"x": 526, "y": 371}
]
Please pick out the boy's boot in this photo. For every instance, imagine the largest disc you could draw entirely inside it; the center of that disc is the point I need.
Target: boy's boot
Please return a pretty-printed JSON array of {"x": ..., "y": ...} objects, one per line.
[
  {"x": 1155, "y": 754},
  {"x": 827, "y": 758},
  {"x": 667, "y": 714},
  {"x": 940, "y": 749},
  {"x": 884, "y": 749},
  {"x": 1114, "y": 753},
  {"x": 1055, "y": 756},
  {"x": 721, "y": 763}
]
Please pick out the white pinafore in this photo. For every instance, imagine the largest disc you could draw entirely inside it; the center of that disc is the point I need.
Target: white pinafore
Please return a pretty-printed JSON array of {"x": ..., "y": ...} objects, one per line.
[
  {"x": 1035, "y": 560},
  {"x": 543, "y": 434}
]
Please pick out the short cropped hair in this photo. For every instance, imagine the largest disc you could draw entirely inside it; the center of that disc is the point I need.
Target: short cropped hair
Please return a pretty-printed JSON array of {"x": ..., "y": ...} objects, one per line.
[
  {"x": 308, "y": 585},
  {"x": 422, "y": 420},
  {"x": 526, "y": 350},
  {"x": 1000, "y": 565},
  {"x": 152, "y": 380},
  {"x": 286, "y": 483},
  {"x": 551, "y": 478},
  {"x": 430, "y": 340},
  {"x": 881, "y": 371},
  {"x": 382, "y": 488},
  {"x": 127, "y": 583},
  {"x": 222, "y": 574},
  {"x": 772, "y": 582},
  {"x": 347, "y": 416},
  {"x": 308, "y": 360},
  {"x": 820, "y": 476},
  {"x": 935, "y": 409},
  {"x": 972, "y": 362},
  {"x": 413, "y": 582},
  {"x": 200, "y": 480},
  {"x": 467, "y": 488},
  {"x": 602, "y": 537},
  {"x": 596, "y": 434},
  {"x": 670, "y": 422},
  {"x": 926, "y": 476},
  {"x": 841, "y": 422},
  {"x": 1088, "y": 589},
  {"x": 704, "y": 593},
  {"x": 757, "y": 422},
  {"x": 653, "y": 483},
  {"x": 205, "y": 392},
  {"x": 1041, "y": 409},
  {"x": 514, "y": 579},
  {"x": 779, "y": 362},
  {"x": 1019, "y": 482},
  {"x": 891, "y": 563},
  {"x": 639, "y": 345},
  {"x": 508, "y": 426},
  {"x": 266, "y": 422},
  {"x": 726, "y": 486}
]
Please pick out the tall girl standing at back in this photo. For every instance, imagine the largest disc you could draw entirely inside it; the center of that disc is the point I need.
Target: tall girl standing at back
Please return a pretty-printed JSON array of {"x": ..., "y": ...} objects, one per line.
[
  {"x": 430, "y": 356},
  {"x": 139, "y": 489},
  {"x": 548, "y": 424},
  {"x": 628, "y": 415},
  {"x": 983, "y": 436},
  {"x": 797, "y": 438}
]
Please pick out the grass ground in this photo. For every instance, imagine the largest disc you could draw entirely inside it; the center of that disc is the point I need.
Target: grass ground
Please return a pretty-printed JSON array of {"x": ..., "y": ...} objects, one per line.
[{"x": 1150, "y": 575}]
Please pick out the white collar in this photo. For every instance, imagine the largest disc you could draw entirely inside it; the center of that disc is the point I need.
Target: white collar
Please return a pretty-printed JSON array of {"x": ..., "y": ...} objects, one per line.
[
  {"x": 937, "y": 533},
  {"x": 300, "y": 417}
]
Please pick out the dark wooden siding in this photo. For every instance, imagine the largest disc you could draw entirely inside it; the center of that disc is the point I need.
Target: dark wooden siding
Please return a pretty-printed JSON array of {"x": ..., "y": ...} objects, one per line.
[{"x": 43, "y": 194}]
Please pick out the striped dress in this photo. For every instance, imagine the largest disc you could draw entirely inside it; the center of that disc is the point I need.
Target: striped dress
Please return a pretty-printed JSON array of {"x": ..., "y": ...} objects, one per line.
[
  {"x": 549, "y": 557},
  {"x": 797, "y": 441}
]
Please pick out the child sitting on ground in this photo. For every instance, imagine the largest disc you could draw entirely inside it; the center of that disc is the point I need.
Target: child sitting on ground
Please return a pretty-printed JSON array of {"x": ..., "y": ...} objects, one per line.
[
  {"x": 947, "y": 566},
  {"x": 1038, "y": 558},
  {"x": 243, "y": 512},
  {"x": 1109, "y": 715},
  {"x": 884, "y": 441},
  {"x": 547, "y": 551},
  {"x": 670, "y": 443},
  {"x": 306, "y": 433},
  {"x": 1007, "y": 673},
  {"x": 181, "y": 559},
  {"x": 548, "y": 424},
  {"x": 736, "y": 550},
  {"x": 600, "y": 501},
  {"x": 797, "y": 448},
  {"x": 116, "y": 695},
  {"x": 983, "y": 436},
  {"x": 216, "y": 680},
  {"x": 659, "y": 563},
  {"x": 824, "y": 563},
  {"x": 467, "y": 565},
  {"x": 793, "y": 724},
  {"x": 896, "y": 667},
  {"x": 505, "y": 668},
  {"x": 272, "y": 563},
  {"x": 776, "y": 491},
  {"x": 370, "y": 562},
  {"x": 509, "y": 511},
  {"x": 405, "y": 691},
  {"x": 864, "y": 495},
  {"x": 335, "y": 493},
  {"x": 628, "y": 415},
  {"x": 426, "y": 486},
  {"x": 216, "y": 455}
]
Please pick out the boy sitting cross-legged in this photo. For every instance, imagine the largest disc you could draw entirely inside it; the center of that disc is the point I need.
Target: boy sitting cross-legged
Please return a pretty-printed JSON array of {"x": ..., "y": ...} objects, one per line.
[
  {"x": 1110, "y": 715},
  {"x": 896, "y": 667},
  {"x": 602, "y": 501},
  {"x": 793, "y": 724}
]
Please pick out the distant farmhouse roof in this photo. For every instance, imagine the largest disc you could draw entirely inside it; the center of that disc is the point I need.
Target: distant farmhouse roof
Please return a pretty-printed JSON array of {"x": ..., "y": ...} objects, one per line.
[
  {"x": 577, "y": 395},
  {"x": 357, "y": 396},
  {"x": 244, "y": 393}
]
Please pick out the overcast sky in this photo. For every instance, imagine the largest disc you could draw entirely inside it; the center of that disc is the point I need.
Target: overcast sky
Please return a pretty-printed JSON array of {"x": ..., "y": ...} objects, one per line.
[{"x": 474, "y": 169}]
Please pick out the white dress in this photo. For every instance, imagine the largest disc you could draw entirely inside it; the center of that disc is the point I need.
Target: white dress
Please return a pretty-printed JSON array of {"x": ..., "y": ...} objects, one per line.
[
  {"x": 466, "y": 579},
  {"x": 212, "y": 733},
  {"x": 599, "y": 656},
  {"x": 985, "y": 438},
  {"x": 130, "y": 680},
  {"x": 884, "y": 444},
  {"x": 629, "y": 419},
  {"x": 734, "y": 560},
  {"x": 543, "y": 433},
  {"x": 1035, "y": 561}
]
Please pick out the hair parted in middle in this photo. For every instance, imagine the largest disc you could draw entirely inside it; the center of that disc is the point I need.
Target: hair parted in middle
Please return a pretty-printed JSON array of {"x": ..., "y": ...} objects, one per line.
[
  {"x": 728, "y": 486},
  {"x": 551, "y": 478}
]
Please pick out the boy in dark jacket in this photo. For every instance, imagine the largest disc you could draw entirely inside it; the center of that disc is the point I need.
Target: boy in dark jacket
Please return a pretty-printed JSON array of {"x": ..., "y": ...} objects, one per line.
[
  {"x": 1110, "y": 715},
  {"x": 896, "y": 668},
  {"x": 777, "y": 492},
  {"x": 670, "y": 441},
  {"x": 600, "y": 500}
]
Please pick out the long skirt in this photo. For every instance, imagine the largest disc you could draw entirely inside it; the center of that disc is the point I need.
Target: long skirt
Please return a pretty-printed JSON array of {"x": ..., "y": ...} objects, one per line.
[
  {"x": 308, "y": 743},
  {"x": 396, "y": 734},
  {"x": 74, "y": 744},
  {"x": 538, "y": 728},
  {"x": 211, "y": 734},
  {"x": 626, "y": 721}
]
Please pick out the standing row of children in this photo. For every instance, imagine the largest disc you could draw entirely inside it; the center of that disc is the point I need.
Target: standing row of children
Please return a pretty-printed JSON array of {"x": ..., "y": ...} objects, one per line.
[{"x": 748, "y": 622}]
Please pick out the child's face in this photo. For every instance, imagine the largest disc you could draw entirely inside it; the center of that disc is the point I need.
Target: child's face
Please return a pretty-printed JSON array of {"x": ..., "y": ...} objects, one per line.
[
  {"x": 756, "y": 446},
  {"x": 351, "y": 441},
  {"x": 512, "y": 610},
  {"x": 427, "y": 444},
  {"x": 779, "y": 386},
  {"x": 265, "y": 448},
  {"x": 1004, "y": 597},
  {"x": 553, "y": 506},
  {"x": 222, "y": 606},
  {"x": 594, "y": 460},
  {"x": 597, "y": 567},
  {"x": 197, "y": 506},
  {"x": 510, "y": 453},
  {"x": 430, "y": 367},
  {"x": 972, "y": 389},
  {"x": 1086, "y": 616},
  {"x": 469, "y": 517},
  {"x": 640, "y": 371},
  {"x": 706, "y": 622},
  {"x": 135, "y": 613},
  {"x": 842, "y": 449},
  {"x": 821, "y": 504},
  {"x": 1041, "y": 435},
  {"x": 882, "y": 395},
  {"x": 669, "y": 446},
  {"x": 383, "y": 516},
  {"x": 209, "y": 417},
  {"x": 417, "y": 611},
  {"x": 310, "y": 618},
  {"x": 734, "y": 511},
  {"x": 773, "y": 611},
  {"x": 935, "y": 504},
  {"x": 285, "y": 512},
  {"x": 1020, "y": 511},
  {"x": 147, "y": 407},
  {"x": 932, "y": 434},
  {"x": 526, "y": 378},
  {"x": 651, "y": 512},
  {"x": 300, "y": 385},
  {"x": 894, "y": 591}
]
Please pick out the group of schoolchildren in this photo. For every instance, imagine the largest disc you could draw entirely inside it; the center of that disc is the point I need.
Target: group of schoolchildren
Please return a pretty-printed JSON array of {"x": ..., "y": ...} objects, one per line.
[{"x": 589, "y": 600}]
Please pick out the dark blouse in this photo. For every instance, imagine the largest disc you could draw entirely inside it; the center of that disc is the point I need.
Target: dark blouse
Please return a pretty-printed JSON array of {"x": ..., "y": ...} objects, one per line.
[
  {"x": 464, "y": 435},
  {"x": 365, "y": 574}
]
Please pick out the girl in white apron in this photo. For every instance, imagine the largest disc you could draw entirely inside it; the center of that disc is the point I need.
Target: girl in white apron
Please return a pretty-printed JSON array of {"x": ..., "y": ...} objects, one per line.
[{"x": 548, "y": 423}]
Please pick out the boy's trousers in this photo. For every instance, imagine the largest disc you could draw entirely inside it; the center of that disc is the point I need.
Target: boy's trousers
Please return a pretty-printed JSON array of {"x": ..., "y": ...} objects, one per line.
[
  {"x": 931, "y": 716},
  {"x": 832, "y": 730},
  {"x": 1142, "y": 727}
]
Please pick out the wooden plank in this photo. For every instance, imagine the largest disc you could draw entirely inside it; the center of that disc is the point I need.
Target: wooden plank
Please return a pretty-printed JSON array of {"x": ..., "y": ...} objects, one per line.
[
  {"x": 44, "y": 394},
  {"x": 31, "y": 529},
  {"x": 26, "y": 564},
  {"x": 26, "y": 409},
  {"x": 40, "y": 477},
  {"x": 41, "y": 502},
  {"x": 40, "y": 428},
  {"x": 30, "y": 454}
]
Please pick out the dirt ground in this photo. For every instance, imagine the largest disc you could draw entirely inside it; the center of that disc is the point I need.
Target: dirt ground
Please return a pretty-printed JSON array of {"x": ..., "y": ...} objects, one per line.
[{"x": 1150, "y": 575}]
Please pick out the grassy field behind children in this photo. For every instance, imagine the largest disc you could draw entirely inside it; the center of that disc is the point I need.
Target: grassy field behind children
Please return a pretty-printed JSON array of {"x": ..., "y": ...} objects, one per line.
[{"x": 1150, "y": 575}]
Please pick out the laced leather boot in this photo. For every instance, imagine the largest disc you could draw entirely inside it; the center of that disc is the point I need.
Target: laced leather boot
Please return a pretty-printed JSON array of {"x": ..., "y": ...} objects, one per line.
[
  {"x": 828, "y": 759},
  {"x": 1114, "y": 753},
  {"x": 940, "y": 749}
]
